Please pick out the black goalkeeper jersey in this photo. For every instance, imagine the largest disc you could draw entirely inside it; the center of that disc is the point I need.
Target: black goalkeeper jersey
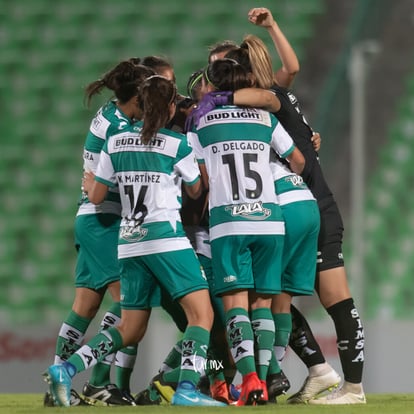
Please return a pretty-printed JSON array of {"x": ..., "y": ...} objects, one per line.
[{"x": 296, "y": 125}]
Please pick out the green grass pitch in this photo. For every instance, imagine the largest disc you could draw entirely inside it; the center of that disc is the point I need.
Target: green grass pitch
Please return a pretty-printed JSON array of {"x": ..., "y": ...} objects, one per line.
[{"x": 376, "y": 404}]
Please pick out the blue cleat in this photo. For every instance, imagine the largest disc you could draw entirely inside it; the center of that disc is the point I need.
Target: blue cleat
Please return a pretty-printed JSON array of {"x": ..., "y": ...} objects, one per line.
[
  {"x": 60, "y": 384},
  {"x": 187, "y": 394}
]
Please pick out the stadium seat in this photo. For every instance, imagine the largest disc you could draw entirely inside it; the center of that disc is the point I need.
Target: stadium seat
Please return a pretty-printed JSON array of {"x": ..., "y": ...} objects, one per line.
[{"x": 49, "y": 52}]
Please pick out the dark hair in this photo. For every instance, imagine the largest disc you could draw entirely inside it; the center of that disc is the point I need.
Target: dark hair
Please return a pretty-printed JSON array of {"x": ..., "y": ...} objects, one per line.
[
  {"x": 135, "y": 60},
  {"x": 194, "y": 84},
  {"x": 221, "y": 47},
  {"x": 157, "y": 63},
  {"x": 123, "y": 80},
  {"x": 240, "y": 55},
  {"x": 155, "y": 96},
  {"x": 227, "y": 75}
]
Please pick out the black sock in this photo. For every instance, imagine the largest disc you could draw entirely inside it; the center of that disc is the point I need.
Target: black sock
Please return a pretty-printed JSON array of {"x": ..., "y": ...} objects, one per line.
[
  {"x": 303, "y": 342},
  {"x": 350, "y": 339}
]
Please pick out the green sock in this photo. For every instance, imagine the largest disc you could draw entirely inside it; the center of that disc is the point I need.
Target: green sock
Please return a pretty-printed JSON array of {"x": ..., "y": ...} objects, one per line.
[
  {"x": 215, "y": 363},
  {"x": 101, "y": 372},
  {"x": 274, "y": 367},
  {"x": 194, "y": 353},
  {"x": 70, "y": 337},
  {"x": 101, "y": 345},
  {"x": 240, "y": 339},
  {"x": 264, "y": 333},
  {"x": 283, "y": 329},
  {"x": 173, "y": 359},
  {"x": 172, "y": 375},
  {"x": 124, "y": 364}
]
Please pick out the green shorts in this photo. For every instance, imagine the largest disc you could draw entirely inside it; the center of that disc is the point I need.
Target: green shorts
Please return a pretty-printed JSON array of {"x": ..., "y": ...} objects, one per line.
[
  {"x": 96, "y": 241},
  {"x": 302, "y": 224},
  {"x": 247, "y": 262},
  {"x": 178, "y": 272}
]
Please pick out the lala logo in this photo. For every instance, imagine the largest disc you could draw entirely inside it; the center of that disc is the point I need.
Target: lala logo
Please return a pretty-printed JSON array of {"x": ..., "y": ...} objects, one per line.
[{"x": 252, "y": 211}]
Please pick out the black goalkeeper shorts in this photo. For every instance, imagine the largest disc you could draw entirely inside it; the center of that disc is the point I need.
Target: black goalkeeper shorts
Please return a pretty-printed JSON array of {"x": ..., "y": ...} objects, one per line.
[{"x": 330, "y": 236}]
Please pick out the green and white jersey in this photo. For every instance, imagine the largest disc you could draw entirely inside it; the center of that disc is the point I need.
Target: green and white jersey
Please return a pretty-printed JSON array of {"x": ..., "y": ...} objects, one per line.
[
  {"x": 234, "y": 143},
  {"x": 289, "y": 186},
  {"x": 109, "y": 120},
  {"x": 149, "y": 180}
]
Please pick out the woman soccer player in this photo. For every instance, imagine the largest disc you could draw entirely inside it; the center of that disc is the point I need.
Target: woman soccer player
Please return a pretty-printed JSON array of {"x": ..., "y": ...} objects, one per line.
[
  {"x": 246, "y": 225},
  {"x": 146, "y": 161},
  {"x": 96, "y": 234},
  {"x": 331, "y": 280}
]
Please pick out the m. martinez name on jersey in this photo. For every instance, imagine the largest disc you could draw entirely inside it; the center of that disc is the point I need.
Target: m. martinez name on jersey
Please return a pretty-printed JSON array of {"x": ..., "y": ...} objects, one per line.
[{"x": 144, "y": 178}]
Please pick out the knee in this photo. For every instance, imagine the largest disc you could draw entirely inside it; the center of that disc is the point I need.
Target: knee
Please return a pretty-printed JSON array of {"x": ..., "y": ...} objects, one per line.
[
  {"x": 132, "y": 333},
  {"x": 198, "y": 310}
]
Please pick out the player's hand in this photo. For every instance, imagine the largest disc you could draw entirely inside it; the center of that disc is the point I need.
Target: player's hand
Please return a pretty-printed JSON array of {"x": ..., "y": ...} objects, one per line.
[
  {"x": 208, "y": 102},
  {"x": 316, "y": 141},
  {"x": 87, "y": 181},
  {"x": 260, "y": 16}
]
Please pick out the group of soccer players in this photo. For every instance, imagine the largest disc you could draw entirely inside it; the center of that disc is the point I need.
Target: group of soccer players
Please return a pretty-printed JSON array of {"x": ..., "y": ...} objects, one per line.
[{"x": 264, "y": 224}]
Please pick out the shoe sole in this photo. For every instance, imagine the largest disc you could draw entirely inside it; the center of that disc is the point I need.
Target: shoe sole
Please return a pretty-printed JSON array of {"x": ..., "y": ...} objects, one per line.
[
  {"x": 356, "y": 401},
  {"x": 255, "y": 397},
  {"x": 305, "y": 401},
  {"x": 99, "y": 403},
  {"x": 48, "y": 379},
  {"x": 95, "y": 403}
]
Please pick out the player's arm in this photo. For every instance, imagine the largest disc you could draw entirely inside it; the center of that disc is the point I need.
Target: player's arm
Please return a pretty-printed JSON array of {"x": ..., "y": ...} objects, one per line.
[
  {"x": 194, "y": 190},
  {"x": 253, "y": 97},
  {"x": 96, "y": 190},
  {"x": 260, "y": 16},
  {"x": 283, "y": 144},
  {"x": 204, "y": 175},
  {"x": 257, "y": 98},
  {"x": 296, "y": 161}
]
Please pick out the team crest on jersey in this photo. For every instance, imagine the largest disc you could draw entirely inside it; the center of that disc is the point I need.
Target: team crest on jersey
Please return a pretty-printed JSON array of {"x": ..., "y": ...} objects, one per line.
[
  {"x": 96, "y": 122},
  {"x": 251, "y": 211},
  {"x": 132, "y": 233},
  {"x": 296, "y": 180},
  {"x": 292, "y": 98}
]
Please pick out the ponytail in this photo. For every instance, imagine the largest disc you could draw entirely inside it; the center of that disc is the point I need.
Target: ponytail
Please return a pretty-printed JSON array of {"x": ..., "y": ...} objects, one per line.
[{"x": 155, "y": 98}]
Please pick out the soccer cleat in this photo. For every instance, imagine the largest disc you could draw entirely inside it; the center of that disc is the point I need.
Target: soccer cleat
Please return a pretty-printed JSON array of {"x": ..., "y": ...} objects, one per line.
[
  {"x": 251, "y": 391},
  {"x": 340, "y": 397},
  {"x": 107, "y": 395},
  {"x": 265, "y": 393},
  {"x": 60, "y": 383},
  {"x": 220, "y": 391},
  {"x": 188, "y": 395},
  {"x": 204, "y": 385},
  {"x": 149, "y": 396},
  {"x": 164, "y": 388},
  {"x": 313, "y": 386},
  {"x": 75, "y": 399},
  {"x": 234, "y": 391},
  {"x": 48, "y": 400},
  {"x": 277, "y": 384},
  {"x": 128, "y": 397}
]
